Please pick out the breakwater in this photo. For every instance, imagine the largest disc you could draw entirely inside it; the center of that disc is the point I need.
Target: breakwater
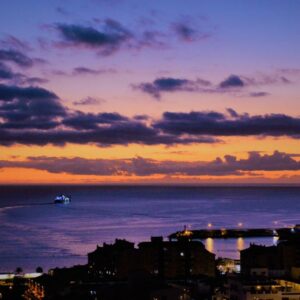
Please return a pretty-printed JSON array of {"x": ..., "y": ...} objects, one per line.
[{"x": 223, "y": 233}]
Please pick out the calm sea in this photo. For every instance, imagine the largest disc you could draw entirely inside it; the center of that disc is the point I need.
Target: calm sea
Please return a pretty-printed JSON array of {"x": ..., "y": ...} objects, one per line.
[{"x": 34, "y": 232}]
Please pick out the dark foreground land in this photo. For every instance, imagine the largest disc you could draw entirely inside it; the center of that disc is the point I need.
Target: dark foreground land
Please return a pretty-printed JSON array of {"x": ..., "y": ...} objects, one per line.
[{"x": 180, "y": 269}]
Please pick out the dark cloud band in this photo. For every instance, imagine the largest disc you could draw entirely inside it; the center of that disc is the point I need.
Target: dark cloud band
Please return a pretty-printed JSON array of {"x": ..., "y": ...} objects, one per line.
[
  {"x": 216, "y": 124},
  {"x": 229, "y": 165},
  {"x": 35, "y": 116}
]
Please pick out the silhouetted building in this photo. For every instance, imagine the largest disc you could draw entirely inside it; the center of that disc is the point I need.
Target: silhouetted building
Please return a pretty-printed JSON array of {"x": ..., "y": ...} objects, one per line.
[
  {"x": 260, "y": 260},
  {"x": 113, "y": 262},
  {"x": 180, "y": 259},
  {"x": 282, "y": 260},
  {"x": 163, "y": 259},
  {"x": 290, "y": 254}
]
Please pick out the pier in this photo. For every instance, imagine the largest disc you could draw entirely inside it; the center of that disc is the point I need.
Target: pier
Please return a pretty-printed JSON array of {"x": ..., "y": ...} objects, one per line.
[{"x": 223, "y": 233}]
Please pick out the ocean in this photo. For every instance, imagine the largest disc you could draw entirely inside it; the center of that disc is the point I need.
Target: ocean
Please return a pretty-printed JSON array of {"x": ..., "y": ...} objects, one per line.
[{"x": 35, "y": 232}]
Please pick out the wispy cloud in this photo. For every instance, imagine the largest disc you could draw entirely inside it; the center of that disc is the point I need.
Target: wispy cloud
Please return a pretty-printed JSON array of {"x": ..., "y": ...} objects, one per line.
[
  {"x": 233, "y": 84},
  {"x": 188, "y": 32},
  {"x": 16, "y": 57},
  {"x": 89, "y": 71},
  {"x": 7, "y": 75},
  {"x": 12, "y": 42},
  {"x": 89, "y": 101},
  {"x": 169, "y": 84}
]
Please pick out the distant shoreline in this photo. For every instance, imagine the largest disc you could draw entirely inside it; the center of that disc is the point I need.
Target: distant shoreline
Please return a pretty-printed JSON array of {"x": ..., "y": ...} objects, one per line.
[{"x": 184, "y": 185}]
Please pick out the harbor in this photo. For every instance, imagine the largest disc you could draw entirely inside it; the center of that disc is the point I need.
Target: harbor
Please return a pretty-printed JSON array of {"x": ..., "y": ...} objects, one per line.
[{"x": 224, "y": 233}]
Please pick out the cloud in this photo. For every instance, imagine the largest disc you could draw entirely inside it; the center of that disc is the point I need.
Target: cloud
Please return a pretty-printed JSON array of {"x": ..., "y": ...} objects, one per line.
[
  {"x": 28, "y": 107},
  {"x": 12, "y": 42},
  {"x": 110, "y": 38},
  {"x": 290, "y": 71},
  {"x": 232, "y": 81},
  {"x": 9, "y": 93},
  {"x": 19, "y": 59},
  {"x": 5, "y": 72},
  {"x": 278, "y": 161},
  {"x": 35, "y": 116},
  {"x": 141, "y": 117},
  {"x": 62, "y": 11},
  {"x": 59, "y": 73},
  {"x": 82, "y": 71},
  {"x": 138, "y": 166},
  {"x": 185, "y": 32},
  {"x": 16, "y": 57},
  {"x": 232, "y": 113},
  {"x": 262, "y": 79},
  {"x": 81, "y": 120},
  {"x": 9, "y": 76},
  {"x": 189, "y": 33},
  {"x": 151, "y": 39},
  {"x": 89, "y": 71},
  {"x": 34, "y": 80},
  {"x": 107, "y": 135},
  {"x": 259, "y": 94},
  {"x": 216, "y": 124},
  {"x": 89, "y": 101},
  {"x": 233, "y": 84},
  {"x": 169, "y": 84}
]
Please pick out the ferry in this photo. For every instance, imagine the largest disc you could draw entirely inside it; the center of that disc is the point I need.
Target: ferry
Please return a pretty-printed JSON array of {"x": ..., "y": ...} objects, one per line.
[{"x": 62, "y": 199}]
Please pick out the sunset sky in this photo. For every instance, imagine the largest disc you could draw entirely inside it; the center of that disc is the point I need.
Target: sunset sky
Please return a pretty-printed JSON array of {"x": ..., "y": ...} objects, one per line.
[{"x": 131, "y": 91}]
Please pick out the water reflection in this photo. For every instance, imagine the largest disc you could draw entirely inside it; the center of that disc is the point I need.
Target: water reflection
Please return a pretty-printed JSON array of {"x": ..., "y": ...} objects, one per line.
[
  {"x": 240, "y": 244},
  {"x": 275, "y": 240},
  {"x": 231, "y": 248},
  {"x": 209, "y": 245}
]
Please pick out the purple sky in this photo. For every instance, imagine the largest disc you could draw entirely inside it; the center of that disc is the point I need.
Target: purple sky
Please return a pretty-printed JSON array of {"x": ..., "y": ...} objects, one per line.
[{"x": 149, "y": 85}]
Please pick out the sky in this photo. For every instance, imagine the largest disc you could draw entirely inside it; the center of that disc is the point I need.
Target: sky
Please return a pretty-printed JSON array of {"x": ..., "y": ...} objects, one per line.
[{"x": 149, "y": 92}]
